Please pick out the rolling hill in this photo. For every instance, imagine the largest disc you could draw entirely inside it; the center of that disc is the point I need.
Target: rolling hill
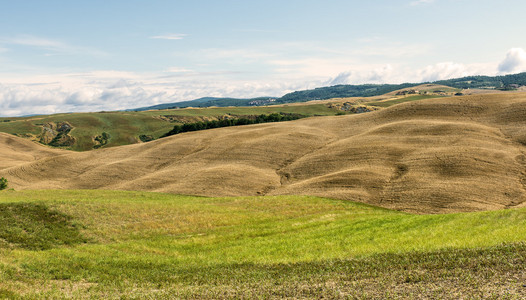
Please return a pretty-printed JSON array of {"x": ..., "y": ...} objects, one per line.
[
  {"x": 434, "y": 156},
  {"x": 84, "y": 131},
  {"x": 88, "y": 131},
  {"x": 16, "y": 151}
]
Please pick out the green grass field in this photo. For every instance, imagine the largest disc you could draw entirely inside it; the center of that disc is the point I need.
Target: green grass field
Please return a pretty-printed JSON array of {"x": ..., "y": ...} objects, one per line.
[
  {"x": 113, "y": 244},
  {"x": 126, "y": 127}
]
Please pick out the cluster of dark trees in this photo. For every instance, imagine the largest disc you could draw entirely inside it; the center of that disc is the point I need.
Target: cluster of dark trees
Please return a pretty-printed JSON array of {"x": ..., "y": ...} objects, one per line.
[
  {"x": 245, "y": 120},
  {"x": 496, "y": 82},
  {"x": 102, "y": 139},
  {"x": 62, "y": 131},
  {"x": 3, "y": 183},
  {"x": 341, "y": 91},
  {"x": 146, "y": 138}
]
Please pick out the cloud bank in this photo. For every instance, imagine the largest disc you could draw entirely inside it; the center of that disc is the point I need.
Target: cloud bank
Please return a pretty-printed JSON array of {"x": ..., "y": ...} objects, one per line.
[
  {"x": 390, "y": 74},
  {"x": 114, "y": 90},
  {"x": 514, "y": 62},
  {"x": 110, "y": 90}
]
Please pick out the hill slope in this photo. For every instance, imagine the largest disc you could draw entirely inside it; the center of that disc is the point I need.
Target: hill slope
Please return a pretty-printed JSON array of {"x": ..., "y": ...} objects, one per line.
[
  {"x": 123, "y": 128},
  {"x": 16, "y": 151},
  {"x": 434, "y": 156}
]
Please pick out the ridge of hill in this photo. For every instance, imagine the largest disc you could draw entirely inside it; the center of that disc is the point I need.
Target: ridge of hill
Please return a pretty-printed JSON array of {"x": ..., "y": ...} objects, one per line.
[
  {"x": 211, "y": 101},
  {"x": 506, "y": 82},
  {"x": 436, "y": 156}
]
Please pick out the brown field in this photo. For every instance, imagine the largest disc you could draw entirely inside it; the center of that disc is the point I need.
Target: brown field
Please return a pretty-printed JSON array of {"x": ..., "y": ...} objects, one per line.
[
  {"x": 434, "y": 156},
  {"x": 15, "y": 151},
  {"x": 427, "y": 87}
]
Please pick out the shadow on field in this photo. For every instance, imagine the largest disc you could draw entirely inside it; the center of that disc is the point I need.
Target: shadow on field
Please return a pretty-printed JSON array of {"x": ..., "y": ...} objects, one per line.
[
  {"x": 490, "y": 273},
  {"x": 34, "y": 226}
]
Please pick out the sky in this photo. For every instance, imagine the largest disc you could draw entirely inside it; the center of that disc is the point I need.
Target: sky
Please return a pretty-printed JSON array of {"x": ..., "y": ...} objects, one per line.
[{"x": 84, "y": 56}]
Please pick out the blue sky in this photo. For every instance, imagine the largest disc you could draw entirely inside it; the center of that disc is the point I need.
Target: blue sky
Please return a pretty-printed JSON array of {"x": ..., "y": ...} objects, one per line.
[{"x": 61, "y": 56}]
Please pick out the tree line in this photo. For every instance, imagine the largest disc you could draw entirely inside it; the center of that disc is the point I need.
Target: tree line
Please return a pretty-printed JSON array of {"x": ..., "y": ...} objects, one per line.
[{"x": 246, "y": 120}]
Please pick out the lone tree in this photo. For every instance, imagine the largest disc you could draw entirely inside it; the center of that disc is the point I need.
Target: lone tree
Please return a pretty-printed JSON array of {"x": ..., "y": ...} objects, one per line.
[{"x": 3, "y": 183}]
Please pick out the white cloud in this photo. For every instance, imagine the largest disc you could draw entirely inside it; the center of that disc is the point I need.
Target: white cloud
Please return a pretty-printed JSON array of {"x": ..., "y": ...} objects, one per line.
[
  {"x": 514, "y": 62},
  {"x": 178, "y": 70},
  {"x": 28, "y": 40},
  {"x": 420, "y": 2},
  {"x": 443, "y": 70},
  {"x": 113, "y": 90},
  {"x": 58, "y": 47},
  {"x": 381, "y": 74},
  {"x": 400, "y": 74},
  {"x": 171, "y": 36}
]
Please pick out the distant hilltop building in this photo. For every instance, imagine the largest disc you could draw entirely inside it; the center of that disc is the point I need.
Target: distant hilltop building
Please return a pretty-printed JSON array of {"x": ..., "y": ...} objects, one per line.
[{"x": 261, "y": 102}]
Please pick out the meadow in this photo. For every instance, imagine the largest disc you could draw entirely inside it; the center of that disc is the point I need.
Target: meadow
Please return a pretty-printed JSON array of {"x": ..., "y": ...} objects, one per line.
[{"x": 135, "y": 245}]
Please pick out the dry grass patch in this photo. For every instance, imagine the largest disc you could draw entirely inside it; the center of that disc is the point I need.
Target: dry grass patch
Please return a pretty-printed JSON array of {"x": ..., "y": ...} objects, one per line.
[{"x": 457, "y": 154}]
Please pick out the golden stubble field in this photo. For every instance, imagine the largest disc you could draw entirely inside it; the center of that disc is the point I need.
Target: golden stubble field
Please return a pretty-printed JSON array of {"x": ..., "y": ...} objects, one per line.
[{"x": 433, "y": 156}]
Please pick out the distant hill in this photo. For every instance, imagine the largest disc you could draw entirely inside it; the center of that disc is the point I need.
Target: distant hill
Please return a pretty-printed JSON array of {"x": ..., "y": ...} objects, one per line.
[
  {"x": 343, "y": 91},
  {"x": 211, "y": 101},
  {"x": 507, "y": 82}
]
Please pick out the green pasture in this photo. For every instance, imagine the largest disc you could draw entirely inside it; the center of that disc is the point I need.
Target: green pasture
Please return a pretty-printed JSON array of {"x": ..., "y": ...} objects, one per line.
[{"x": 117, "y": 244}]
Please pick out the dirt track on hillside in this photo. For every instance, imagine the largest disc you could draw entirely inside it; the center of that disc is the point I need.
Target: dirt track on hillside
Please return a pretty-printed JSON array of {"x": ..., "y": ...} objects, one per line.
[{"x": 434, "y": 156}]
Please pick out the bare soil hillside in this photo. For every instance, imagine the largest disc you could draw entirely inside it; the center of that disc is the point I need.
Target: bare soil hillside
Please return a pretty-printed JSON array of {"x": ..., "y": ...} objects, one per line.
[{"x": 434, "y": 156}]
